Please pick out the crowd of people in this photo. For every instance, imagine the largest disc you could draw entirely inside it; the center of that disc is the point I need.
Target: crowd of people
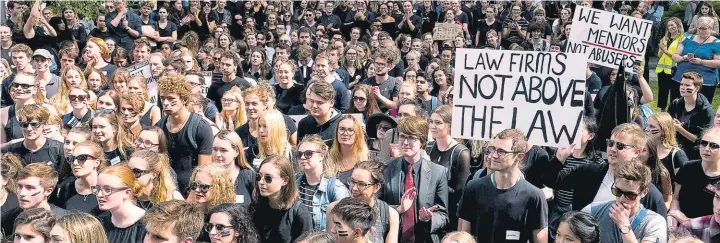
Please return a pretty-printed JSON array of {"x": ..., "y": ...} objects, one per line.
[{"x": 330, "y": 121}]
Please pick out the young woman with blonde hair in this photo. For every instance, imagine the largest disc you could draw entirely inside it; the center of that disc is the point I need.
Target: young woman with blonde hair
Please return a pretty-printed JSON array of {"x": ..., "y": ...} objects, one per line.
[
  {"x": 116, "y": 189},
  {"x": 70, "y": 77},
  {"x": 228, "y": 151},
  {"x": 150, "y": 113},
  {"x": 233, "y": 114},
  {"x": 155, "y": 178},
  {"x": 661, "y": 128},
  {"x": 272, "y": 137},
  {"x": 108, "y": 132},
  {"x": 75, "y": 192},
  {"x": 210, "y": 185},
  {"x": 348, "y": 148},
  {"x": 78, "y": 227}
]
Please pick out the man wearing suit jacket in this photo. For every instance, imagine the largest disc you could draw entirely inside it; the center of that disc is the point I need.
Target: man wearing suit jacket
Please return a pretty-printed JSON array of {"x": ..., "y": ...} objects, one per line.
[
  {"x": 416, "y": 187},
  {"x": 504, "y": 207}
]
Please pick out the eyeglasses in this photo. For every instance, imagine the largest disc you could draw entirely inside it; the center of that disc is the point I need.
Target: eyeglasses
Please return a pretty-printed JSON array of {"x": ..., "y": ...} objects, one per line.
[
  {"x": 227, "y": 100},
  {"x": 627, "y": 194},
  {"x": 146, "y": 143},
  {"x": 107, "y": 191},
  {"x": 22, "y": 86},
  {"x": 199, "y": 187},
  {"x": 380, "y": 65},
  {"x": 32, "y": 124},
  {"x": 359, "y": 99},
  {"x": 80, "y": 158},
  {"x": 618, "y": 145},
  {"x": 348, "y": 131},
  {"x": 360, "y": 185},
  {"x": 500, "y": 152},
  {"x": 219, "y": 227},
  {"x": 705, "y": 144},
  {"x": 267, "y": 178},
  {"x": 305, "y": 154},
  {"x": 409, "y": 139},
  {"x": 138, "y": 172}
]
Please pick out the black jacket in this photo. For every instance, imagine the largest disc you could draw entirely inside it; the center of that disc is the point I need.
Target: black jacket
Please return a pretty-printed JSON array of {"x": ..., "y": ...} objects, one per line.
[
  {"x": 586, "y": 179},
  {"x": 700, "y": 118}
]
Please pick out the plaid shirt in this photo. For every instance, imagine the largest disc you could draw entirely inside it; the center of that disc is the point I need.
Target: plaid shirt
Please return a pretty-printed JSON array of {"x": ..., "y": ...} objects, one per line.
[{"x": 705, "y": 228}]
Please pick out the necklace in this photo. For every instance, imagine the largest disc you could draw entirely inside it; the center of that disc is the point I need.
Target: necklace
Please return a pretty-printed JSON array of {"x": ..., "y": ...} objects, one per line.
[{"x": 85, "y": 197}]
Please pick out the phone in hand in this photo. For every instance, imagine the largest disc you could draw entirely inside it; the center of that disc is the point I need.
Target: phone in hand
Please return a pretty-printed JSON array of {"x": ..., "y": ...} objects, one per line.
[{"x": 690, "y": 56}]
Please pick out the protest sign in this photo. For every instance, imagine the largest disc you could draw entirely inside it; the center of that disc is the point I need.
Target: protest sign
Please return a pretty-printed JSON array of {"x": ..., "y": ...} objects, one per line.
[
  {"x": 142, "y": 68},
  {"x": 608, "y": 39},
  {"x": 446, "y": 31},
  {"x": 539, "y": 93}
]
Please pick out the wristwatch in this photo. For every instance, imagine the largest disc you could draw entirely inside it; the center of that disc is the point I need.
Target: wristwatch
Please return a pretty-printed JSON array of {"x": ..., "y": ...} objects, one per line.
[{"x": 625, "y": 229}]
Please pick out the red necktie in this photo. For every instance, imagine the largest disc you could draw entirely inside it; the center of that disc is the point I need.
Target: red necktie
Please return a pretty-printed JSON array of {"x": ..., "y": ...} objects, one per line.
[{"x": 408, "y": 218}]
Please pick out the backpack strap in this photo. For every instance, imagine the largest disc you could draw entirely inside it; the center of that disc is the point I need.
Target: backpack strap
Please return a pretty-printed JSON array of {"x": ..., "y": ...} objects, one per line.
[
  {"x": 430, "y": 146},
  {"x": 638, "y": 218},
  {"x": 672, "y": 161},
  {"x": 193, "y": 124}
]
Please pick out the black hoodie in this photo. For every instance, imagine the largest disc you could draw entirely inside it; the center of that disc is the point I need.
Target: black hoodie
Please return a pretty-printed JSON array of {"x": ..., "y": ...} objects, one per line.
[{"x": 694, "y": 121}]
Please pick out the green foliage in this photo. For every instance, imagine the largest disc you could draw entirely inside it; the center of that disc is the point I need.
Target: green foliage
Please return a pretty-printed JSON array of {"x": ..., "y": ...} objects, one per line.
[{"x": 87, "y": 10}]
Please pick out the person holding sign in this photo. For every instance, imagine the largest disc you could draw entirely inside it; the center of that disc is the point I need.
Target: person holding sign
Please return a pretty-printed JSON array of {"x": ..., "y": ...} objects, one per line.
[
  {"x": 504, "y": 207},
  {"x": 699, "y": 53}
]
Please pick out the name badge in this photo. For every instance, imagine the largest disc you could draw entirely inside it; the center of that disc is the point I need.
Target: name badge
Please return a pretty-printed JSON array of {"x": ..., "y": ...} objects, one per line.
[
  {"x": 512, "y": 235},
  {"x": 239, "y": 198},
  {"x": 115, "y": 161}
]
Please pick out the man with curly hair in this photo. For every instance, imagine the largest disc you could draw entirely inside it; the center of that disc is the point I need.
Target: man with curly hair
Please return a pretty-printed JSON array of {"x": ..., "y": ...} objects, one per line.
[{"x": 189, "y": 136}]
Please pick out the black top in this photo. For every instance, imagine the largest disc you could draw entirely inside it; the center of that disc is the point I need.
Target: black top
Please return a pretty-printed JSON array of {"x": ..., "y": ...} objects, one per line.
[
  {"x": 244, "y": 186},
  {"x": 99, "y": 34},
  {"x": 114, "y": 157},
  {"x": 167, "y": 31},
  {"x": 184, "y": 147},
  {"x": 483, "y": 27},
  {"x": 309, "y": 126},
  {"x": 535, "y": 162},
  {"x": 10, "y": 210},
  {"x": 492, "y": 212},
  {"x": 694, "y": 121},
  {"x": 66, "y": 196},
  {"x": 280, "y": 226},
  {"x": 287, "y": 98},
  {"x": 696, "y": 190},
  {"x": 389, "y": 89},
  {"x": 70, "y": 121},
  {"x": 218, "y": 88},
  {"x": 52, "y": 151},
  {"x": 12, "y": 127},
  {"x": 145, "y": 119},
  {"x": 133, "y": 234},
  {"x": 673, "y": 162}
]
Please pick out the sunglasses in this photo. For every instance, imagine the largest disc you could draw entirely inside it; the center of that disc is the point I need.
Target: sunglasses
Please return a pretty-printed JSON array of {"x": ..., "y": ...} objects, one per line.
[
  {"x": 627, "y": 194},
  {"x": 618, "y": 145},
  {"x": 22, "y": 86},
  {"x": 219, "y": 227},
  {"x": 713, "y": 146},
  {"x": 267, "y": 178},
  {"x": 359, "y": 99},
  {"x": 383, "y": 128},
  {"x": 305, "y": 154},
  {"x": 80, "y": 158},
  {"x": 199, "y": 187},
  {"x": 138, "y": 172},
  {"x": 32, "y": 124},
  {"x": 77, "y": 97}
]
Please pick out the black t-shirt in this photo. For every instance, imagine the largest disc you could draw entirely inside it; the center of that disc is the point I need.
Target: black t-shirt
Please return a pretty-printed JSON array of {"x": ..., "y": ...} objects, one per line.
[
  {"x": 673, "y": 163},
  {"x": 66, "y": 196},
  {"x": 167, "y": 31},
  {"x": 182, "y": 151},
  {"x": 5, "y": 53},
  {"x": 280, "y": 225},
  {"x": 10, "y": 210},
  {"x": 52, "y": 151},
  {"x": 218, "y": 88},
  {"x": 287, "y": 98},
  {"x": 508, "y": 215},
  {"x": 535, "y": 162},
  {"x": 99, "y": 34},
  {"x": 135, "y": 233},
  {"x": 388, "y": 89},
  {"x": 244, "y": 186},
  {"x": 114, "y": 157},
  {"x": 696, "y": 190},
  {"x": 309, "y": 126},
  {"x": 484, "y": 27},
  {"x": 593, "y": 84}
]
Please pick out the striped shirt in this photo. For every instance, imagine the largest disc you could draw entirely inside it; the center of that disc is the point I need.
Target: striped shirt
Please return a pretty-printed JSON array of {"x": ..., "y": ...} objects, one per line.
[
  {"x": 307, "y": 192},
  {"x": 564, "y": 197}
]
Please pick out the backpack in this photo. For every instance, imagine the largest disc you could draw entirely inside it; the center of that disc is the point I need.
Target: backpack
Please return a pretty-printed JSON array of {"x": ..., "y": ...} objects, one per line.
[{"x": 192, "y": 125}]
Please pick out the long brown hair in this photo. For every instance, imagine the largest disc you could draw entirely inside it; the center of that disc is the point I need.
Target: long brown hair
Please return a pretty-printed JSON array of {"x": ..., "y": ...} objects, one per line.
[
  {"x": 288, "y": 193},
  {"x": 372, "y": 104}
]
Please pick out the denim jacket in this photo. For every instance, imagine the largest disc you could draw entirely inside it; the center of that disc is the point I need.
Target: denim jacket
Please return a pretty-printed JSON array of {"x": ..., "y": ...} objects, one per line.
[{"x": 323, "y": 197}]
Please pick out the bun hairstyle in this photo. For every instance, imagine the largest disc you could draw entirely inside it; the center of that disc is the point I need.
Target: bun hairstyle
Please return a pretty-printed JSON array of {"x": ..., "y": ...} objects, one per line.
[{"x": 126, "y": 176}]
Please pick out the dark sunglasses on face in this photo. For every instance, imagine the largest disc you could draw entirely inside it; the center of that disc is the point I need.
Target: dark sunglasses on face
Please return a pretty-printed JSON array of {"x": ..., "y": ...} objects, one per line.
[
  {"x": 267, "y": 178},
  {"x": 22, "y": 86},
  {"x": 383, "y": 128},
  {"x": 77, "y": 97},
  {"x": 138, "y": 172},
  {"x": 305, "y": 154},
  {"x": 197, "y": 186},
  {"x": 620, "y": 146},
  {"x": 32, "y": 124},
  {"x": 627, "y": 194},
  {"x": 219, "y": 227},
  {"x": 713, "y": 146},
  {"x": 80, "y": 158},
  {"x": 359, "y": 99}
]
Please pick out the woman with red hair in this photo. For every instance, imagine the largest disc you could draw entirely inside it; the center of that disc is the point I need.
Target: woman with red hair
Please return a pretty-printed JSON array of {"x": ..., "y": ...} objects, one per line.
[{"x": 97, "y": 52}]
